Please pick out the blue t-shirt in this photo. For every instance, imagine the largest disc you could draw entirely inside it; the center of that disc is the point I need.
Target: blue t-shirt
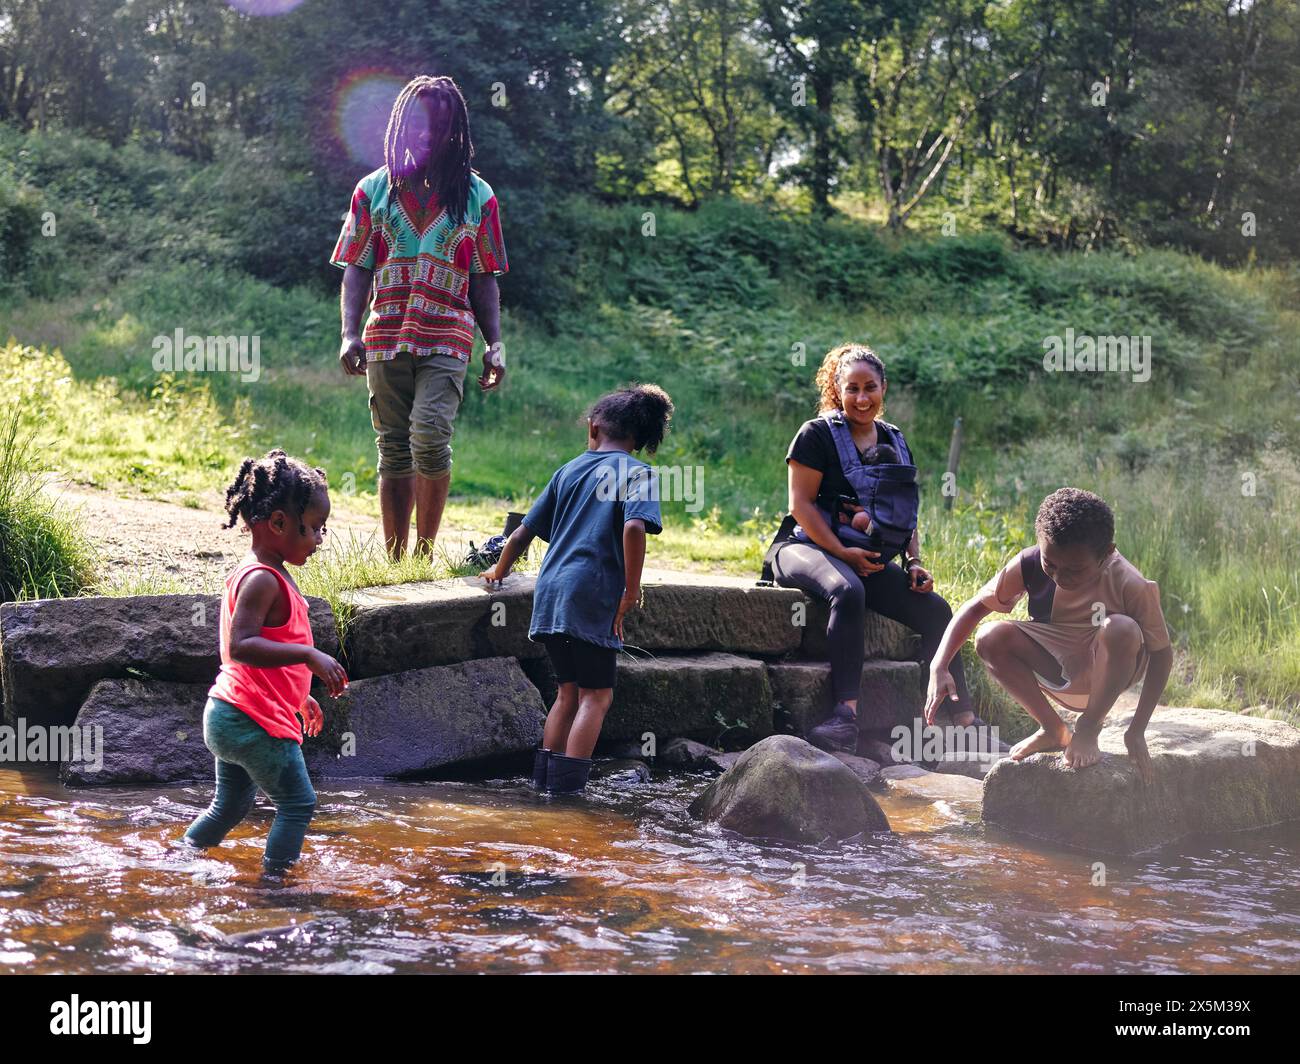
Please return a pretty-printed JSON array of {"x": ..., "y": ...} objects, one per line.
[{"x": 581, "y": 515}]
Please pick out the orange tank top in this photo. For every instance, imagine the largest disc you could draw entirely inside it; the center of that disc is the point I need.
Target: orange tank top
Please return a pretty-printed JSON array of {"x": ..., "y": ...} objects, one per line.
[{"x": 272, "y": 695}]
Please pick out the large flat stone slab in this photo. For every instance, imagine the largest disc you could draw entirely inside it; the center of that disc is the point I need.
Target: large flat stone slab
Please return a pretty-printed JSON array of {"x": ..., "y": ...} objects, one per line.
[
  {"x": 715, "y": 698},
  {"x": 416, "y": 722},
  {"x": 882, "y": 638},
  {"x": 52, "y": 651},
  {"x": 438, "y": 622},
  {"x": 146, "y": 731},
  {"x": 892, "y": 693},
  {"x": 406, "y": 724},
  {"x": 705, "y": 611},
  {"x": 1213, "y": 771},
  {"x": 909, "y": 781}
]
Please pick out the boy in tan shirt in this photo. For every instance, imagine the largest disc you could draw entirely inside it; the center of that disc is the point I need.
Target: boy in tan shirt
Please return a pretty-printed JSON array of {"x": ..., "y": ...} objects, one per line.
[{"x": 1095, "y": 629}]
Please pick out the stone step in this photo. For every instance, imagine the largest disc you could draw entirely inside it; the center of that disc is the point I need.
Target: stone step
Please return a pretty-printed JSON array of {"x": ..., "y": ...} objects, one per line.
[
  {"x": 421, "y": 720},
  {"x": 892, "y": 693},
  {"x": 52, "y": 651},
  {"x": 413, "y": 722},
  {"x": 882, "y": 638},
  {"x": 706, "y": 611},
  {"x": 409, "y": 626},
  {"x": 437, "y": 622},
  {"x": 146, "y": 732},
  {"x": 1212, "y": 771},
  {"x": 716, "y": 698}
]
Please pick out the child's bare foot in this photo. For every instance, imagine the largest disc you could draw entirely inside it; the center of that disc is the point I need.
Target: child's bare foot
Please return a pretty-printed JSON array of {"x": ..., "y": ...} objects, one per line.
[
  {"x": 1041, "y": 742},
  {"x": 1082, "y": 751}
]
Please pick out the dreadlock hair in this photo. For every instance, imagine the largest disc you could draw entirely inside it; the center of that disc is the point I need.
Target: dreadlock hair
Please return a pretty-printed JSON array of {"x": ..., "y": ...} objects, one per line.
[
  {"x": 1072, "y": 515},
  {"x": 639, "y": 413},
  {"x": 830, "y": 375},
  {"x": 273, "y": 482},
  {"x": 451, "y": 182}
]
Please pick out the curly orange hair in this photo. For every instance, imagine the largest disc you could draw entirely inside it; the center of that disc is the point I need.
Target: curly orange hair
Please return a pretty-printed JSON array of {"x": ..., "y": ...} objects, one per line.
[{"x": 837, "y": 360}]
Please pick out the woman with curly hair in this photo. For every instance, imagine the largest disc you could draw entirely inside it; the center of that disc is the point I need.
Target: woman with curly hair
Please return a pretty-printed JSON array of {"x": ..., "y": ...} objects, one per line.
[{"x": 826, "y": 563}]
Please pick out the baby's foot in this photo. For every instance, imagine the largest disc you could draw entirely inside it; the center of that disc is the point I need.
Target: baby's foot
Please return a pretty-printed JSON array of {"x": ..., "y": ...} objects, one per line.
[{"x": 1041, "y": 742}]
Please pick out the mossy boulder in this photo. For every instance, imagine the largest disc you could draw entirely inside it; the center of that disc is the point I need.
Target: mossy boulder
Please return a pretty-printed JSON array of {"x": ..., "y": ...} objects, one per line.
[{"x": 784, "y": 788}]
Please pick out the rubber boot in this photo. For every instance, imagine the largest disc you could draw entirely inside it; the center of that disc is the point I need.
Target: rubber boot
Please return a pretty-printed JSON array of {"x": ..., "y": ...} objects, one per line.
[
  {"x": 541, "y": 762},
  {"x": 838, "y": 733},
  {"x": 567, "y": 775}
]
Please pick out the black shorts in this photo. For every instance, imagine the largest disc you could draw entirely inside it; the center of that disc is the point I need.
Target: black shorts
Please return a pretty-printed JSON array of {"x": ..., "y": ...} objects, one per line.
[{"x": 575, "y": 660}]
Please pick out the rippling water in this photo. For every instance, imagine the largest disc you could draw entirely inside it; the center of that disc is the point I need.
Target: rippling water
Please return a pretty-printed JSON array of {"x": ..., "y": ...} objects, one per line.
[{"x": 423, "y": 877}]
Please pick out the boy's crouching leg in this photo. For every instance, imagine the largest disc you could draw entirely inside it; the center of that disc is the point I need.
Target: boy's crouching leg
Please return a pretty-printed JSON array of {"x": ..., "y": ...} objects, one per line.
[
  {"x": 1015, "y": 661},
  {"x": 1115, "y": 659}
]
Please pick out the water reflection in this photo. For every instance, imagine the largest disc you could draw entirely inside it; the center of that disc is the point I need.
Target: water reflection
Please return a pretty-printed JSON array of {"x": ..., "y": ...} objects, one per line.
[{"x": 452, "y": 876}]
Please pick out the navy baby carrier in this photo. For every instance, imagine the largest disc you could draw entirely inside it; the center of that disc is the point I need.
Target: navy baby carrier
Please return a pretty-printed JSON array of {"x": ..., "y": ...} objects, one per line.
[{"x": 887, "y": 491}]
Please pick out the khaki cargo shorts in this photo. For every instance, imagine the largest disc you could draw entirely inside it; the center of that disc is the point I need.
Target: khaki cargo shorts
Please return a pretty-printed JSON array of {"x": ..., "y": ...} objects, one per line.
[{"x": 413, "y": 406}]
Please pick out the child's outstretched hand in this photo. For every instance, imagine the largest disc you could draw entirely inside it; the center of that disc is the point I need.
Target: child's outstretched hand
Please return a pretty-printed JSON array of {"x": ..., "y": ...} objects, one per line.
[
  {"x": 494, "y": 575},
  {"x": 312, "y": 717},
  {"x": 942, "y": 688},
  {"x": 1136, "y": 744},
  {"x": 329, "y": 671}
]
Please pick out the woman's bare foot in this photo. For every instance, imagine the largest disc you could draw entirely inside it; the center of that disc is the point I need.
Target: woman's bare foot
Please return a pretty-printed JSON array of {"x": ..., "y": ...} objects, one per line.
[{"x": 1041, "y": 742}]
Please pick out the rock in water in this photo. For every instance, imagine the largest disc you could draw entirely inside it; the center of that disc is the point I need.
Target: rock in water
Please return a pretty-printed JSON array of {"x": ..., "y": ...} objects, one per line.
[
  {"x": 785, "y": 788},
  {"x": 622, "y": 772},
  {"x": 1213, "y": 771},
  {"x": 149, "y": 731},
  {"x": 415, "y": 722},
  {"x": 687, "y": 753}
]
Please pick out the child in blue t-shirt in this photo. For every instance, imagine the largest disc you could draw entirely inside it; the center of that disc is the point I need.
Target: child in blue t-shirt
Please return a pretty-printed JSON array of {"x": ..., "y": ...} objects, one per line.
[{"x": 595, "y": 514}]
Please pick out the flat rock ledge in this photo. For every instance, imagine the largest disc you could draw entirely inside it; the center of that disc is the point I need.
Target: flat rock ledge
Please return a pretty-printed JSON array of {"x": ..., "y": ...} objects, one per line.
[{"x": 1213, "y": 772}]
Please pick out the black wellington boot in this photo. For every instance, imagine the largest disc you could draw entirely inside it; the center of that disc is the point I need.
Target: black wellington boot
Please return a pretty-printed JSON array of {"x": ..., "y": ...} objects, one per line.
[
  {"x": 567, "y": 775},
  {"x": 541, "y": 762}
]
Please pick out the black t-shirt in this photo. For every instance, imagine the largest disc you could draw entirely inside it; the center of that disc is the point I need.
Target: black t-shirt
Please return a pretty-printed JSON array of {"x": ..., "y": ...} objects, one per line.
[{"x": 814, "y": 446}]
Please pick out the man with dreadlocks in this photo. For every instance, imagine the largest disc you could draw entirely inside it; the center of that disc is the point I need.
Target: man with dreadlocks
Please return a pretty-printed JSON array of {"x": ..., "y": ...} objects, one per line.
[{"x": 422, "y": 246}]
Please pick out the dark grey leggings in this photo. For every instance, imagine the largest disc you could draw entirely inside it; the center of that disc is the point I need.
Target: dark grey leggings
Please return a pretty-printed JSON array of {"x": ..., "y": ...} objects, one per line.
[{"x": 812, "y": 570}]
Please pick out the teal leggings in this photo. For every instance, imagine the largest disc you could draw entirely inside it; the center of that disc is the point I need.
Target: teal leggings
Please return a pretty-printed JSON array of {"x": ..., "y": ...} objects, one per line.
[{"x": 248, "y": 758}]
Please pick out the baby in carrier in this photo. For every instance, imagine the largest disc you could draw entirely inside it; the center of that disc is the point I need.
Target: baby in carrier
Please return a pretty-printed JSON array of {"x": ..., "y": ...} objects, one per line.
[{"x": 861, "y": 520}]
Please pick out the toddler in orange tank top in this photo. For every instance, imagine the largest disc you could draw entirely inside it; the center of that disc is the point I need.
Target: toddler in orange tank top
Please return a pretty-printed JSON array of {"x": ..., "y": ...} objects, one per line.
[{"x": 260, "y": 704}]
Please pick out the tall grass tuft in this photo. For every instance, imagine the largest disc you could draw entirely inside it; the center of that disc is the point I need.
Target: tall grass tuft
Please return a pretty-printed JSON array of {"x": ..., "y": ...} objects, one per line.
[{"x": 43, "y": 554}]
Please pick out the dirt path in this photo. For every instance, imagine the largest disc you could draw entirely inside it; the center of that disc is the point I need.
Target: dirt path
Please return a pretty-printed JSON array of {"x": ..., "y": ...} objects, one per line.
[{"x": 149, "y": 540}]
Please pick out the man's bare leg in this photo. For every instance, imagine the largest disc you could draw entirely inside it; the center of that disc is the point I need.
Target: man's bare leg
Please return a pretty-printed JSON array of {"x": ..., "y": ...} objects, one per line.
[
  {"x": 430, "y": 501},
  {"x": 1114, "y": 659},
  {"x": 1012, "y": 659},
  {"x": 396, "y": 498}
]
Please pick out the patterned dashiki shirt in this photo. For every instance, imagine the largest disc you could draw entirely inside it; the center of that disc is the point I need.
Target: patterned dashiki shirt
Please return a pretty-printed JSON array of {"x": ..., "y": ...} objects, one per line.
[{"x": 421, "y": 260}]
